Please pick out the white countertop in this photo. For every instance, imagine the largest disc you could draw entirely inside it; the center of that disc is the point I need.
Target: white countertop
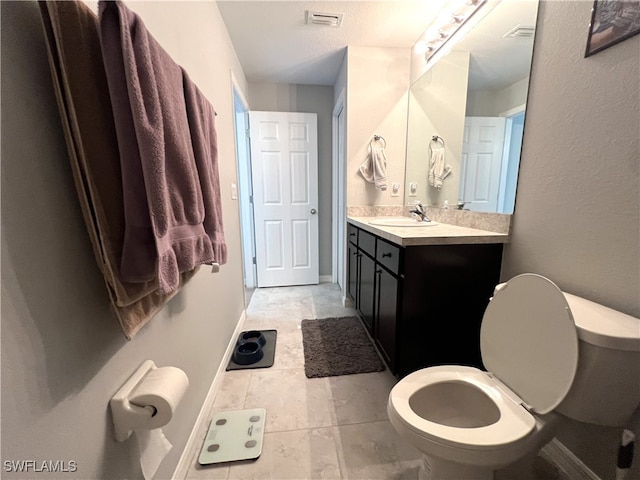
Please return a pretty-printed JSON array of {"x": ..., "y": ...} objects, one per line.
[{"x": 441, "y": 234}]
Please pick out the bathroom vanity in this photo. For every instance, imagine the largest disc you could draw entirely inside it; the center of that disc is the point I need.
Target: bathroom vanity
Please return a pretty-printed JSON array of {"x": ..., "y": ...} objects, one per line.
[{"x": 421, "y": 292}]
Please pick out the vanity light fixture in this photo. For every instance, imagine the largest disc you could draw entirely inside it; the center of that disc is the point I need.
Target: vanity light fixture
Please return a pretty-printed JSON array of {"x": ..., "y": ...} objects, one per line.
[{"x": 446, "y": 25}]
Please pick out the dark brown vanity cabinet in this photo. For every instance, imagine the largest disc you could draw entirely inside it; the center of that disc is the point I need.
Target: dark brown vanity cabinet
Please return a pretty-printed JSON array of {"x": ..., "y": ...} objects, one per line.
[
  {"x": 373, "y": 285},
  {"x": 423, "y": 305},
  {"x": 387, "y": 290},
  {"x": 361, "y": 274},
  {"x": 352, "y": 266}
]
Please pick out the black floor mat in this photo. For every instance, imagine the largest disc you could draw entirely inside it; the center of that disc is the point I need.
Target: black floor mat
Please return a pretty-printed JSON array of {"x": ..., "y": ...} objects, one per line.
[{"x": 269, "y": 350}]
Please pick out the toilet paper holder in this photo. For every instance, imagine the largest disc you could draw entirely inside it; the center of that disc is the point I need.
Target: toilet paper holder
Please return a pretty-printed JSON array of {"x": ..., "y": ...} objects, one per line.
[{"x": 128, "y": 416}]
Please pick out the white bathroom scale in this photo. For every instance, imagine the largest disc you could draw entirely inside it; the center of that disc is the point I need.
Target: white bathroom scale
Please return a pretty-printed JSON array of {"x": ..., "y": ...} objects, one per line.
[{"x": 234, "y": 436}]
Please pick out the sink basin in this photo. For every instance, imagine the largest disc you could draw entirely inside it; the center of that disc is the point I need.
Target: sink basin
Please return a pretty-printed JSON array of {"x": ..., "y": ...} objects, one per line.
[{"x": 400, "y": 222}]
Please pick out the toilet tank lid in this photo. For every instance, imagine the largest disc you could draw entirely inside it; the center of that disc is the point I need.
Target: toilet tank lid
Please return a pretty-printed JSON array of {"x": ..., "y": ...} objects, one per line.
[{"x": 603, "y": 326}]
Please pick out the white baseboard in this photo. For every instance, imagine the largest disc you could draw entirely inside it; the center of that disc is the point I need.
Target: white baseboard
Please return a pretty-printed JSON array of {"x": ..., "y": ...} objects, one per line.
[
  {"x": 559, "y": 455},
  {"x": 326, "y": 279},
  {"x": 347, "y": 302},
  {"x": 183, "y": 464}
]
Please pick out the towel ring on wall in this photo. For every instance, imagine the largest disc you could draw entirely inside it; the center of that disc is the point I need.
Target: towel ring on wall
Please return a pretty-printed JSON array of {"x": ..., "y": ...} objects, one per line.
[
  {"x": 438, "y": 140},
  {"x": 380, "y": 138}
]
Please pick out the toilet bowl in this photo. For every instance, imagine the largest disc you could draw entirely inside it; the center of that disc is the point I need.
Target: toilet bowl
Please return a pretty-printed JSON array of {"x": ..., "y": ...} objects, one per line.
[
  {"x": 469, "y": 423},
  {"x": 459, "y": 414}
]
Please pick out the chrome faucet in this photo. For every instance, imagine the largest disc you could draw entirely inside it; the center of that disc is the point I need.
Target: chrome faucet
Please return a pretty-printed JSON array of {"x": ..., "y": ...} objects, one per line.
[{"x": 418, "y": 212}]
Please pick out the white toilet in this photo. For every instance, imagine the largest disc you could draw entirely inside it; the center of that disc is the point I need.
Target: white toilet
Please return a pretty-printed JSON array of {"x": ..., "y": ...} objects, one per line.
[{"x": 546, "y": 352}]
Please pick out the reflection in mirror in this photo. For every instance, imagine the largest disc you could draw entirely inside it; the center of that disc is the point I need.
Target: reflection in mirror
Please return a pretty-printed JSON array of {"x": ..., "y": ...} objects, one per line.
[{"x": 472, "y": 100}]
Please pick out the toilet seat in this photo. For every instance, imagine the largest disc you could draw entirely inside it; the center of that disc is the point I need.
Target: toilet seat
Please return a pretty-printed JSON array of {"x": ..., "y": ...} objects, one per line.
[
  {"x": 529, "y": 341},
  {"x": 514, "y": 423}
]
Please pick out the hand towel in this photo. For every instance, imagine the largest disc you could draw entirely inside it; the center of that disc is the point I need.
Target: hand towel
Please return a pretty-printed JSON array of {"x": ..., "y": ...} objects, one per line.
[
  {"x": 202, "y": 117},
  {"x": 374, "y": 168},
  {"x": 162, "y": 194},
  {"x": 71, "y": 33},
  {"x": 438, "y": 168}
]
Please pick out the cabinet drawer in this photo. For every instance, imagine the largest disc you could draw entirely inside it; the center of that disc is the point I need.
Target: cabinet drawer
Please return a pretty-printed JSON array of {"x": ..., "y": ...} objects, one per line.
[
  {"x": 367, "y": 243},
  {"x": 388, "y": 255},
  {"x": 352, "y": 234}
]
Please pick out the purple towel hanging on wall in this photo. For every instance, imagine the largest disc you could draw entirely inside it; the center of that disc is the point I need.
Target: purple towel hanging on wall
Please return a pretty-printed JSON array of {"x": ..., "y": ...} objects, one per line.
[
  {"x": 166, "y": 232},
  {"x": 201, "y": 115},
  {"x": 80, "y": 84}
]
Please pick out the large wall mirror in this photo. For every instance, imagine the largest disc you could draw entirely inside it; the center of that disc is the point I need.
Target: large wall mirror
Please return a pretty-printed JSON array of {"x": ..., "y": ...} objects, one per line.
[{"x": 469, "y": 107}]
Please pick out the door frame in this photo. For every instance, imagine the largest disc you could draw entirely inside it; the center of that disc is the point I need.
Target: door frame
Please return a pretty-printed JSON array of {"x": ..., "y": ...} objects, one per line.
[
  {"x": 243, "y": 172},
  {"x": 338, "y": 186},
  {"x": 506, "y": 157}
]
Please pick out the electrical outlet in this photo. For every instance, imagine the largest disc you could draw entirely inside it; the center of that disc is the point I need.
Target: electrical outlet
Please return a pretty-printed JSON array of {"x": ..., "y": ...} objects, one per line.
[
  {"x": 395, "y": 189},
  {"x": 234, "y": 192}
]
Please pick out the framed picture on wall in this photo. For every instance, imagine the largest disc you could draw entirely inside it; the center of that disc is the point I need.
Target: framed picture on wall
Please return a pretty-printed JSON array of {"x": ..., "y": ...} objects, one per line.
[{"x": 612, "y": 21}]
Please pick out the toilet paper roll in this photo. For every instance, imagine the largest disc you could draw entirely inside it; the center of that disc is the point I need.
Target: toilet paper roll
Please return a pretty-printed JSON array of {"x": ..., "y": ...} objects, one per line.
[
  {"x": 160, "y": 391},
  {"x": 153, "y": 446}
]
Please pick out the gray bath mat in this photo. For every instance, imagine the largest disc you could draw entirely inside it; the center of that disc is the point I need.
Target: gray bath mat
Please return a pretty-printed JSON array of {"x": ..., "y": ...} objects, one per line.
[{"x": 337, "y": 346}]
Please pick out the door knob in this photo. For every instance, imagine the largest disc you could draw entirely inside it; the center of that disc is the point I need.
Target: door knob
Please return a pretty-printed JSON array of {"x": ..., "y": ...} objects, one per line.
[{"x": 313, "y": 211}]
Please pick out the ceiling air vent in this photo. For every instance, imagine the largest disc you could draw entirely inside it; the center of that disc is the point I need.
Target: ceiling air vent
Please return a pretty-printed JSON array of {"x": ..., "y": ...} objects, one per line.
[
  {"x": 327, "y": 19},
  {"x": 521, "y": 31}
]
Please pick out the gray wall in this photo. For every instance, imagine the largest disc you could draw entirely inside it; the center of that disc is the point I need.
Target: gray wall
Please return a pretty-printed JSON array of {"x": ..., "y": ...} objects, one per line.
[
  {"x": 63, "y": 355},
  {"x": 307, "y": 99},
  {"x": 577, "y": 215}
]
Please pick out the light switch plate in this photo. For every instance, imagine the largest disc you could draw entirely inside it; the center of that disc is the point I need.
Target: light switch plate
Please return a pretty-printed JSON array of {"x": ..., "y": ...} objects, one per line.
[
  {"x": 395, "y": 189},
  {"x": 234, "y": 191}
]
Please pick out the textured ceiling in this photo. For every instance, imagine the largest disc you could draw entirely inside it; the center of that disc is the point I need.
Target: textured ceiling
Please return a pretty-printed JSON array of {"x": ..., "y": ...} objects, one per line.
[{"x": 275, "y": 45}]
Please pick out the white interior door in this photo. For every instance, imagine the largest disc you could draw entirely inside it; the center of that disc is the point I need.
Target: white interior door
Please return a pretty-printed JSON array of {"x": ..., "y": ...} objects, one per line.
[
  {"x": 284, "y": 161},
  {"x": 482, "y": 150}
]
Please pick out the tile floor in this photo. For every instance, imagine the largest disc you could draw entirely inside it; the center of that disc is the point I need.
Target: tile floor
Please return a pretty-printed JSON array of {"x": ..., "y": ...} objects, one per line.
[{"x": 324, "y": 428}]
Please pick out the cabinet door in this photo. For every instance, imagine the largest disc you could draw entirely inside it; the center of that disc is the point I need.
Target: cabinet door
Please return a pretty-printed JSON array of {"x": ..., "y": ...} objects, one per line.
[
  {"x": 352, "y": 272},
  {"x": 445, "y": 291},
  {"x": 352, "y": 234},
  {"x": 366, "y": 291},
  {"x": 387, "y": 297}
]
